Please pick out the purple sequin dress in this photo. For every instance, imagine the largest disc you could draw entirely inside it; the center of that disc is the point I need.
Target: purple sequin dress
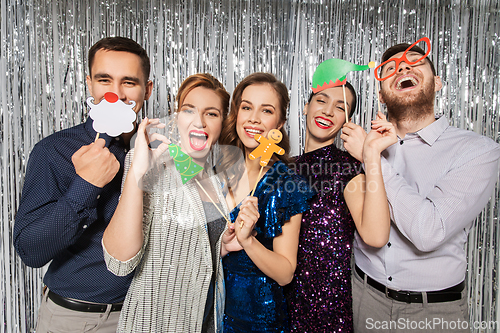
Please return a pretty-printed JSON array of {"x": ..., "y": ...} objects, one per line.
[{"x": 319, "y": 296}]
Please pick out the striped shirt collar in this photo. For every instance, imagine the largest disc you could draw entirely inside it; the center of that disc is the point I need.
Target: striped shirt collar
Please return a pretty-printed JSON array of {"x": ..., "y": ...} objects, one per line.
[{"x": 432, "y": 132}]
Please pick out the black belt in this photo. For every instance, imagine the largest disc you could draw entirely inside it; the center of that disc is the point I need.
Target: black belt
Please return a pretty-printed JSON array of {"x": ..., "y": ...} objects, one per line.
[
  {"x": 446, "y": 295},
  {"x": 81, "y": 306}
]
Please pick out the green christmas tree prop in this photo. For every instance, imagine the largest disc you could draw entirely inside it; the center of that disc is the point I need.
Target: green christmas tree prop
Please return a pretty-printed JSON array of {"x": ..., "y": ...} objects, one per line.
[{"x": 184, "y": 163}]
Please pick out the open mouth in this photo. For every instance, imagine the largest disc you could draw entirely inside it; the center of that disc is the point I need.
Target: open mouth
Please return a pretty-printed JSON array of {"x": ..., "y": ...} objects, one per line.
[
  {"x": 406, "y": 82},
  {"x": 198, "y": 140},
  {"x": 252, "y": 131},
  {"x": 323, "y": 123}
]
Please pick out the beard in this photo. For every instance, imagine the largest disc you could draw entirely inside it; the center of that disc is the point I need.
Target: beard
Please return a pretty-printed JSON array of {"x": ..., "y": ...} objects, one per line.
[{"x": 410, "y": 108}]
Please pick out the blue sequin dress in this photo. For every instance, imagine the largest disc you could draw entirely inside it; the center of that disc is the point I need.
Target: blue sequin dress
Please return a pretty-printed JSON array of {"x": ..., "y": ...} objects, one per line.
[
  {"x": 320, "y": 298},
  {"x": 255, "y": 302}
]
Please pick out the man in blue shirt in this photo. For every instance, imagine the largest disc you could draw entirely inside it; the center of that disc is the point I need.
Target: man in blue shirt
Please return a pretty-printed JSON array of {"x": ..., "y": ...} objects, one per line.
[{"x": 71, "y": 189}]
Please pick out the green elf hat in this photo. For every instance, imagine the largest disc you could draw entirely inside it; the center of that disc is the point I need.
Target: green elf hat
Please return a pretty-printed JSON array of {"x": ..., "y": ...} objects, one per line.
[{"x": 332, "y": 72}]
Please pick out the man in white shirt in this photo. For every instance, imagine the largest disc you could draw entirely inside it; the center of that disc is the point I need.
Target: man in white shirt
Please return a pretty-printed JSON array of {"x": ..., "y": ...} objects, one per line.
[{"x": 438, "y": 178}]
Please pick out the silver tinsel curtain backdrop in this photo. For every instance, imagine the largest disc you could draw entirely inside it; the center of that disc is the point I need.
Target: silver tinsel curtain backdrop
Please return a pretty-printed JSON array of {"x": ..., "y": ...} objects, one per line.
[{"x": 43, "y": 64}]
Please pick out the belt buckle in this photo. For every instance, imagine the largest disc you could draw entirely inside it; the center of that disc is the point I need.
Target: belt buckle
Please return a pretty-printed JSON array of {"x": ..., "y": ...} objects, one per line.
[
  {"x": 407, "y": 296},
  {"x": 401, "y": 295}
]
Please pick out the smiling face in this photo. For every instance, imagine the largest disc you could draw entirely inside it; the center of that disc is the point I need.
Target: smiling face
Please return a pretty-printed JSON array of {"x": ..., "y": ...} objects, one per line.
[
  {"x": 258, "y": 113},
  {"x": 199, "y": 122},
  {"x": 411, "y": 86},
  {"x": 325, "y": 115},
  {"x": 121, "y": 73},
  {"x": 275, "y": 136},
  {"x": 407, "y": 77}
]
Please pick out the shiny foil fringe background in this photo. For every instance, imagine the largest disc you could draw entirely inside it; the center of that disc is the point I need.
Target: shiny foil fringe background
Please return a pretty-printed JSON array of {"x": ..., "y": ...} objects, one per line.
[{"x": 43, "y": 65}]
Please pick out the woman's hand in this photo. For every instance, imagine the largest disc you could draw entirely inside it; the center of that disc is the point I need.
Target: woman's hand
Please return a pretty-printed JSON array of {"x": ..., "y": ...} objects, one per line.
[
  {"x": 246, "y": 220},
  {"x": 354, "y": 137},
  {"x": 144, "y": 156},
  {"x": 382, "y": 135},
  {"x": 229, "y": 242}
]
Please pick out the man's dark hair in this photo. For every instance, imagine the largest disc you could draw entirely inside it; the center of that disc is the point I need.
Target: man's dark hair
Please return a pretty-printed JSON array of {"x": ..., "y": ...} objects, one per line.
[
  {"x": 401, "y": 48},
  {"x": 354, "y": 98},
  {"x": 121, "y": 44}
]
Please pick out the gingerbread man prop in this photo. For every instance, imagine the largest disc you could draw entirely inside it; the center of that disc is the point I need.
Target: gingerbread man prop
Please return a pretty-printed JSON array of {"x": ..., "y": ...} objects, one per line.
[{"x": 267, "y": 147}]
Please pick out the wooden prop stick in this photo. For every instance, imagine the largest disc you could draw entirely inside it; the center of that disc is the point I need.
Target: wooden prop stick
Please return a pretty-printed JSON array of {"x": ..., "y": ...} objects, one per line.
[
  {"x": 188, "y": 170},
  {"x": 345, "y": 105},
  {"x": 258, "y": 178},
  {"x": 96, "y": 137},
  {"x": 206, "y": 193},
  {"x": 377, "y": 93},
  {"x": 253, "y": 191}
]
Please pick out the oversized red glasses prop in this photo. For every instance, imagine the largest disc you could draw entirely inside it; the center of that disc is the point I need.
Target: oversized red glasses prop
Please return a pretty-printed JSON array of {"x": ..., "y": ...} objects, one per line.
[{"x": 392, "y": 64}]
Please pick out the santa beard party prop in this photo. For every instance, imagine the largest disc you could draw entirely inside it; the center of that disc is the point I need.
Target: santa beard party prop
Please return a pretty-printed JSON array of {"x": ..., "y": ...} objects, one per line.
[{"x": 112, "y": 116}]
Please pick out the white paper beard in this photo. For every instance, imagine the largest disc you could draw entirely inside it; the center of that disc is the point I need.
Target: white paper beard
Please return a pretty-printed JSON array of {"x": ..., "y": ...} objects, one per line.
[{"x": 112, "y": 118}]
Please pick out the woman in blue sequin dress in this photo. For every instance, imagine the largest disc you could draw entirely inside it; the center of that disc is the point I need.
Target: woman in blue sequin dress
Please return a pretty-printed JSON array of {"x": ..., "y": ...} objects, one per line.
[
  {"x": 319, "y": 296},
  {"x": 266, "y": 224}
]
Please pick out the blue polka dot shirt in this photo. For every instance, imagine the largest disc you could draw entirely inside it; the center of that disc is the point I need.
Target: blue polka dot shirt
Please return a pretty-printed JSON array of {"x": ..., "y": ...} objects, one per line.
[{"x": 62, "y": 217}]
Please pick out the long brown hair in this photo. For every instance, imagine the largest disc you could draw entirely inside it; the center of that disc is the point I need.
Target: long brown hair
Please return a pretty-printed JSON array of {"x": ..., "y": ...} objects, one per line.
[{"x": 229, "y": 136}]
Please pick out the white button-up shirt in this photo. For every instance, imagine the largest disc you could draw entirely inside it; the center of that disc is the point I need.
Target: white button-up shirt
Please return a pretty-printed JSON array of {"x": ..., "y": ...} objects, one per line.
[{"x": 437, "y": 181}]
